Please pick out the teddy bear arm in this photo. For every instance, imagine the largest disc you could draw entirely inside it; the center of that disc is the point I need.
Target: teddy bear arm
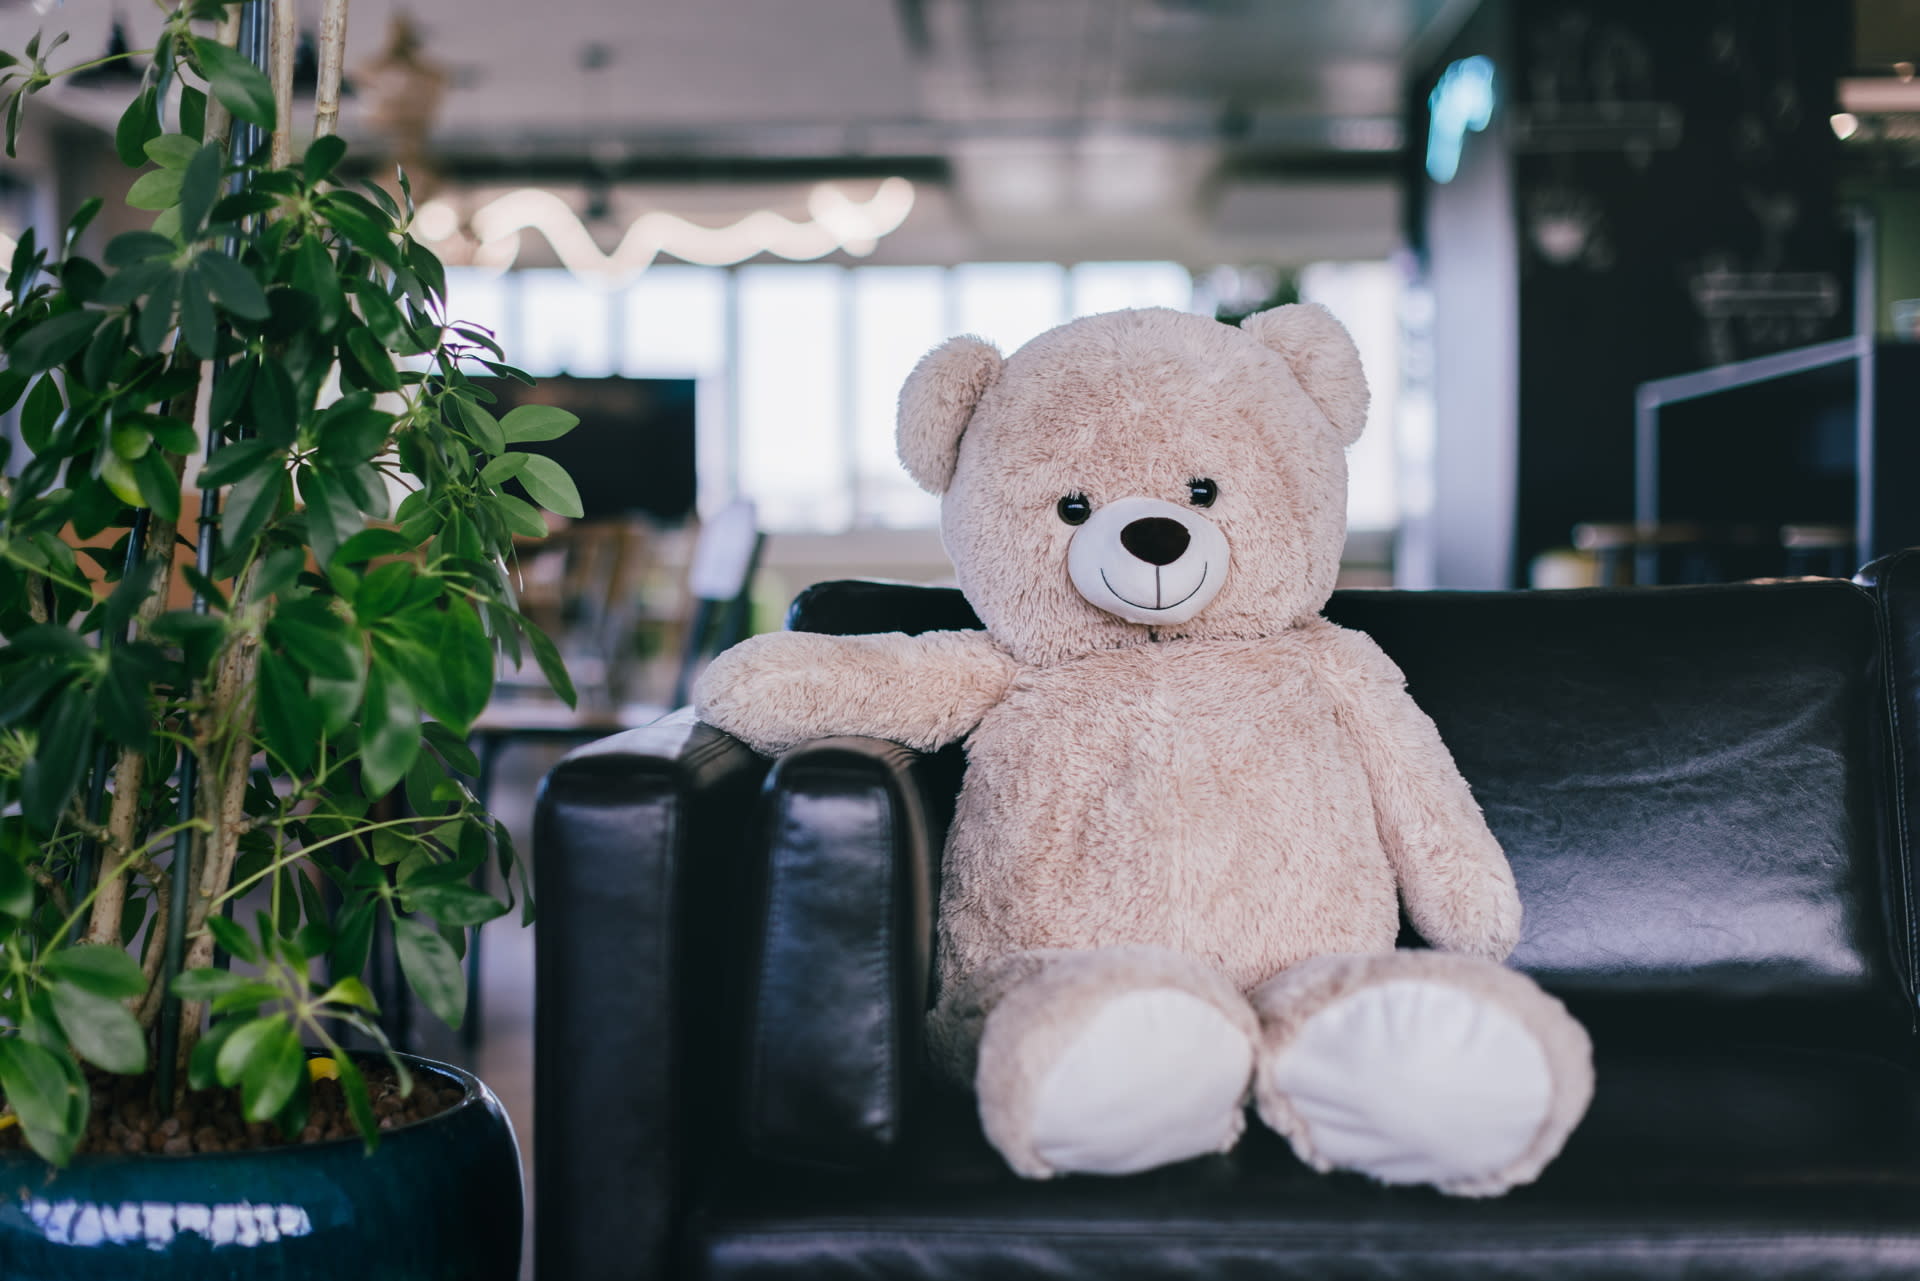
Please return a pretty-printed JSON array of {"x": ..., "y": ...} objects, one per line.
[
  {"x": 776, "y": 691},
  {"x": 1454, "y": 879}
]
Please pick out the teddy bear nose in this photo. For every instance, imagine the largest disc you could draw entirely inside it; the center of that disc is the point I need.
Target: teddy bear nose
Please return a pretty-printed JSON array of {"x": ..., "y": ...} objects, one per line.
[{"x": 1155, "y": 539}]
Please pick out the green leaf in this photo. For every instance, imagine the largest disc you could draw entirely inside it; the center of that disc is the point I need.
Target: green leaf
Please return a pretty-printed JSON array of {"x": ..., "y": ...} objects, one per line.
[
  {"x": 433, "y": 971},
  {"x": 236, "y": 82},
  {"x": 99, "y": 969},
  {"x": 238, "y": 460},
  {"x": 383, "y": 591},
  {"x": 389, "y": 733},
  {"x": 158, "y": 485},
  {"x": 548, "y": 484},
  {"x": 453, "y": 748},
  {"x": 199, "y": 188},
  {"x": 274, "y": 1072},
  {"x": 156, "y": 189},
  {"x": 537, "y": 422},
  {"x": 130, "y": 247},
  {"x": 59, "y": 760},
  {"x": 156, "y": 313},
  {"x": 313, "y": 275},
  {"x": 331, "y": 516},
  {"x": 317, "y": 638},
  {"x": 545, "y": 654},
  {"x": 39, "y": 414},
  {"x": 138, "y": 124},
  {"x": 197, "y": 326},
  {"x": 201, "y": 1073},
  {"x": 16, "y": 888},
  {"x": 351, "y": 991},
  {"x": 383, "y": 316},
  {"x": 172, "y": 150},
  {"x": 352, "y": 937},
  {"x": 454, "y": 904},
  {"x": 481, "y": 425},
  {"x": 369, "y": 544},
  {"x": 375, "y": 362},
  {"x": 53, "y": 341},
  {"x": 520, "y": 517},
  {"x": 323, "y": 155},
  {"x": 504, "y": 468},
  {"x": 289, "y": 722},
  {"x": 101, "y": 1029},
  {"x": 193, "y": 112},
  {"x": 252, "y": 502},
  {"x": 235, "y": 940},
  {"x": 249, "y": 996},
  {"x": 233, "y": 285},
  {"x": 40, "y": 1092},
  {"x": 246, "y": 1041},
  {"x": 205, "y": 985},
  {"x": 354, "y": 1086}
]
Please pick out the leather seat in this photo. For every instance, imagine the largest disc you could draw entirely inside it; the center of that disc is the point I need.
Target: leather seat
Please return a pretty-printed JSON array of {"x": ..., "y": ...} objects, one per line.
[{"x": 1705, "y": 795}]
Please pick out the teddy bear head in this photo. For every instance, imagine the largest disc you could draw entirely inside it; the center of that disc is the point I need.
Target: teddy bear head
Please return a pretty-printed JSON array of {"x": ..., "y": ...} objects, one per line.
[{"x": 1140, "y": 476}]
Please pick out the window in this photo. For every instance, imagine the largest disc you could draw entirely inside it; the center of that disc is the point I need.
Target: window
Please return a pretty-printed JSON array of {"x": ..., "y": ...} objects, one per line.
[{"x": 799, "y": 365}]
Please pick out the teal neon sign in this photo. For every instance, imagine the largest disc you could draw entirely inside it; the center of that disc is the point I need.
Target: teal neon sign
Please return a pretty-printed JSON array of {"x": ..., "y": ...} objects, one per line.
[{"x": 1460, "y": 104}]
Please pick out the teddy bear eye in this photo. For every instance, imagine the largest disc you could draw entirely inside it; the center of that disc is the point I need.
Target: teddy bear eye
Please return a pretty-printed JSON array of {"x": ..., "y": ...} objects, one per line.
[
  {"x": 1202, "y": 492},
  {"x": 1074, "y": 509}
]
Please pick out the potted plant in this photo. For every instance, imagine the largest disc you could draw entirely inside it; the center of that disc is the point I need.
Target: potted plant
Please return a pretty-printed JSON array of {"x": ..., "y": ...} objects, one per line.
[{"x": 258, "y": 696}]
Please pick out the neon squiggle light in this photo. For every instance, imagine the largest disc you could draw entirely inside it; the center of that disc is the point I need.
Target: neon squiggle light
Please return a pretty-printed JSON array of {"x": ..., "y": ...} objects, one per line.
[{"x": 837, "y": 224}]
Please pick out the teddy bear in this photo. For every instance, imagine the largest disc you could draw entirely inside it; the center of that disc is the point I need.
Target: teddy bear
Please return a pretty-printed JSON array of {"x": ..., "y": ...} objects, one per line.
[{"x": 1193, "y": 809}]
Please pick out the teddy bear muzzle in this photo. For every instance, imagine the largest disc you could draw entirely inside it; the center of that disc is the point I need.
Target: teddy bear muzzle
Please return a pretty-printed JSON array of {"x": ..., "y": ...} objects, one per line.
[{"x": 1148, "y": 561}]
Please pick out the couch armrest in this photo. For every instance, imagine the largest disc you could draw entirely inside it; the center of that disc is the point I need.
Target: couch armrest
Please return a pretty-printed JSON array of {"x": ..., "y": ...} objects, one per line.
[
  {"x": 639, "y": 841},
  {"x": 854, "y": 828}
]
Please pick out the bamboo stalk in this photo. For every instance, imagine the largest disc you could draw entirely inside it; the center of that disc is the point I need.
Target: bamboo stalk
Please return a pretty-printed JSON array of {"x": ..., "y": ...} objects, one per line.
[
  {"x": 333, "y": 53},
  {"x": 286, "y": 36}
]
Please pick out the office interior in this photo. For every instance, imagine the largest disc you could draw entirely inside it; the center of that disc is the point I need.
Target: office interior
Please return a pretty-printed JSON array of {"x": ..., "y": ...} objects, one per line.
[{"x": 1636, "y": 285}]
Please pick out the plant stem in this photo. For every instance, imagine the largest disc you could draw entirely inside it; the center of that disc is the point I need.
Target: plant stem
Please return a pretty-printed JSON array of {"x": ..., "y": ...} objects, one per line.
[
  {"x": 333, "y": 52},
  {"x": 286, "y": 35},
  {"x": 127, "y": 816},
  {"x": 218, "y": 118}
]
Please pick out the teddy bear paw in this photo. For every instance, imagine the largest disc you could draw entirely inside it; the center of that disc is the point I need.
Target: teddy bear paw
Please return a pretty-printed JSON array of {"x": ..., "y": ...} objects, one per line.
[
  {"x": 1412, "y": 1081},
  {"x": 1154, "y": 1076}
]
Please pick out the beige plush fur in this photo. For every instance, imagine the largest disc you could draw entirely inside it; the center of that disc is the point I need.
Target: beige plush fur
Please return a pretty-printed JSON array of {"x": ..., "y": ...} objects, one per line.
[{"x": 1243, "y": 790}]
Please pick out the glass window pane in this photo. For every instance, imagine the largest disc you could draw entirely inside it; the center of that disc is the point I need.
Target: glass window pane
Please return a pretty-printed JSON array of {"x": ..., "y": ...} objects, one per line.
[
  {"x": 568, "y": 325},
  {"x": 792, "y": 454},
  {"x": 1111, "y": 286},
  {"x": 1008, "y": 302},
  {"x": 675, "y": 323},
  {"x": 481, "y": 297},
  {"x": 899, "y": 315},
  {"x": 1365, "y": 297}
]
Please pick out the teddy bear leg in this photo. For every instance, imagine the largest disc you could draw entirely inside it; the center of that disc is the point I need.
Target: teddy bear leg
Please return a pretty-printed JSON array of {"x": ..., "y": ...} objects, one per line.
[
  {"x": 1101, "y": 1062},
  {"x": 1420, "y": 1067}
]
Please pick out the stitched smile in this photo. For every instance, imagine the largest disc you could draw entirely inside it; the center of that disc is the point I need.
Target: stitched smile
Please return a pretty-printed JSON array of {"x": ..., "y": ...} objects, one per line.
[{"x": 1156, "y": 579}]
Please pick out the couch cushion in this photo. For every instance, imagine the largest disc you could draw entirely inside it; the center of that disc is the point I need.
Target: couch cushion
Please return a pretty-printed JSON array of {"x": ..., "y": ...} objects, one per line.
[
  {"x": 1683, "y": 778},
  {"x": 1737, "y": 1161}
]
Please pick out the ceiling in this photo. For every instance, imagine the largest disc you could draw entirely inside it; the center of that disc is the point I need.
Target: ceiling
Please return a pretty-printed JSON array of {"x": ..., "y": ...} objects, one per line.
[{"x": 1200, "y": 130}]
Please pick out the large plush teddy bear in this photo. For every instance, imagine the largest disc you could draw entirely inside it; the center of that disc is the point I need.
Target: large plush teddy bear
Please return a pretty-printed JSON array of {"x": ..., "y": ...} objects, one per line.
[{"x": 1189, "y": 800}]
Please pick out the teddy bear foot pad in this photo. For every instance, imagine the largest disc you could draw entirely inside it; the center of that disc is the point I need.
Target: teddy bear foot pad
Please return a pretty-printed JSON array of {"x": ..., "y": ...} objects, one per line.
[
  {"x": 1418, "y": 1068},
  {"x": 1155, "y": 1076}
]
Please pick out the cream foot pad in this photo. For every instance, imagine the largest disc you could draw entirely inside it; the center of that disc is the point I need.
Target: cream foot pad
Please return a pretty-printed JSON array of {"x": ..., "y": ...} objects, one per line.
[
  {"x": 1413, "y": 1081},
  {"x": 1154, "y": 1076}
]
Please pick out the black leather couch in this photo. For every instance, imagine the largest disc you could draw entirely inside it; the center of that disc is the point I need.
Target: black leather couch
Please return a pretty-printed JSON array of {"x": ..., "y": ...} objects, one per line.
[{"x": 1708, "y": 796}]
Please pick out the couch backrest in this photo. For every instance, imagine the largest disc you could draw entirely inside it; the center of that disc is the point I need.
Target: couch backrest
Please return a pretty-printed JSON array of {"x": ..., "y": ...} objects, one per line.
[{"x": 1691, "y": 784}]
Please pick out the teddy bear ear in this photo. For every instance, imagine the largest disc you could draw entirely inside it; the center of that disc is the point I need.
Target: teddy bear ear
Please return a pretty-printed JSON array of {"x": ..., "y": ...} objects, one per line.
[
  {"x": 936, "y": 404},
  {"x": 1322, "y": 356}
]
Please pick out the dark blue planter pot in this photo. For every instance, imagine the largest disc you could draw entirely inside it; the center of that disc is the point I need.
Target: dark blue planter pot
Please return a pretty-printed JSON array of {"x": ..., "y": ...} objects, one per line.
[{"x": 441, "y": 1198}]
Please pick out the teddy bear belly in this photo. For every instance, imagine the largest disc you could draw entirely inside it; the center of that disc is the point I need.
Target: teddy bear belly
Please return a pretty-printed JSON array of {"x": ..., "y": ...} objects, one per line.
[{"x": 1250, "y": 845}]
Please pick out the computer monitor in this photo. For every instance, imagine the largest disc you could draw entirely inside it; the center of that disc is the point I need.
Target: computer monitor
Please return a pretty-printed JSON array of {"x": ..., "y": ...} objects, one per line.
[{"x": 633, "y": 452}]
